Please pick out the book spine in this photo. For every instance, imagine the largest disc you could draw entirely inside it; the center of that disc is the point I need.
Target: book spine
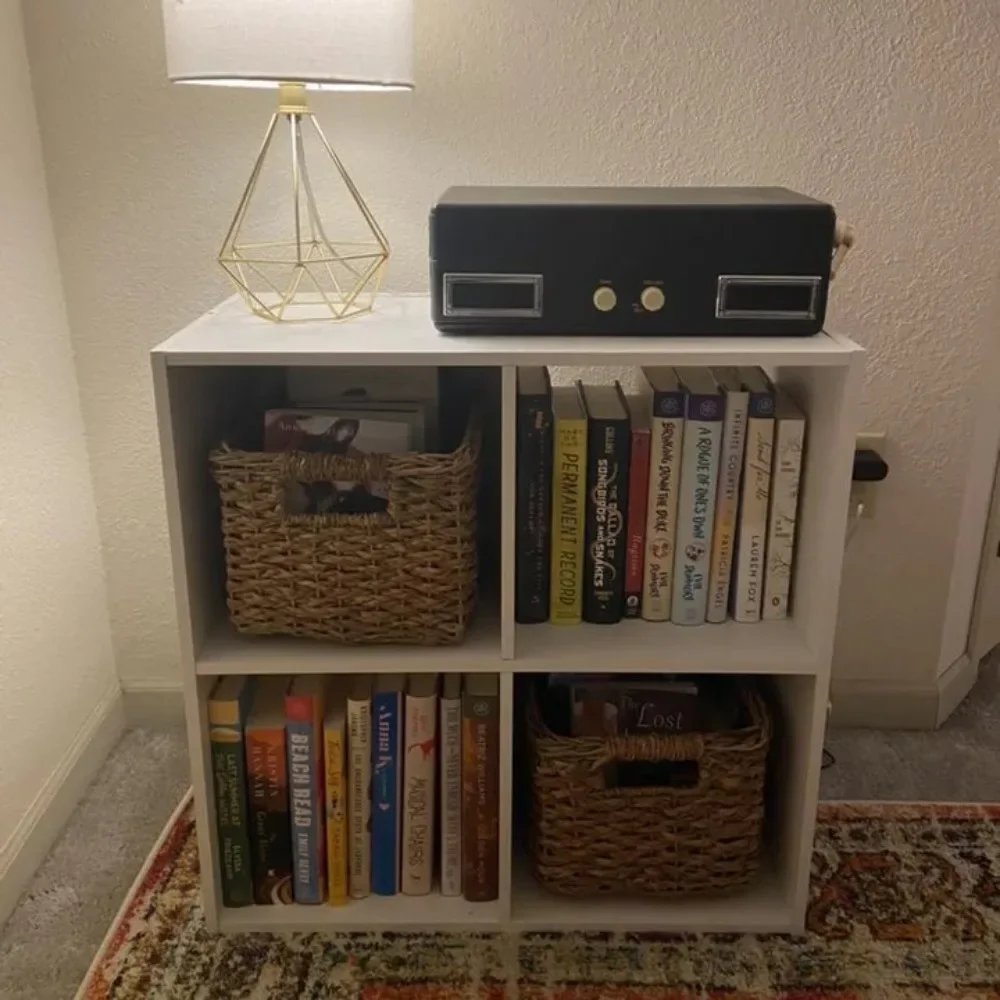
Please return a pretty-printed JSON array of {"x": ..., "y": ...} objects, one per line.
[
  {"x": 789, "y": 446},
  {"x": 385, "y": 793},
  {"x": 568, "y": 510},
  {"x": 451, "y": 797},
  {"x": 270, "y": 822},
  {"x": 480, "y": 789},
  {"x": 305, "y": 769},
  {"x": 232, "y": 814},
  {"x": 638, "y": 485},
  {"x": 336, "y": 815},
  {"x": 696, "y": 508},
  {"x": 533, "y": 524},
  {"x": 419, "y": 773},
  {"x": 755, "y": 493},
  {"x": 661, "y": 514},
  {"x": 727, "y": 506},
  {"x": 607, "y": 502},
  {"x": 359, "y": 805}
]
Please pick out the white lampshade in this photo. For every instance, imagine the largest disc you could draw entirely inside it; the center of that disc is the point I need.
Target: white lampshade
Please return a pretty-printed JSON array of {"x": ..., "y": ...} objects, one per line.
[{"x": 335, "y": 44}]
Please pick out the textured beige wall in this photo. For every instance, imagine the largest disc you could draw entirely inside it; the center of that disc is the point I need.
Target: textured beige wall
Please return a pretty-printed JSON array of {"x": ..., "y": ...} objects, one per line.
[
  {"x": 887, "y": 109},
  {"x": 56, "y": 660}
]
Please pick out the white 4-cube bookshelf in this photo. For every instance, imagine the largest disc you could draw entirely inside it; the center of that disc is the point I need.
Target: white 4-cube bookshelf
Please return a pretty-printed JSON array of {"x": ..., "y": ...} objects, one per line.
[{"x": 217, "y": 365}]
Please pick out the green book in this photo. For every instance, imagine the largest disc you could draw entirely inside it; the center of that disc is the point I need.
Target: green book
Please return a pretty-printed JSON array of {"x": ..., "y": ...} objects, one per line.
[{"x": 227, "y": 715}]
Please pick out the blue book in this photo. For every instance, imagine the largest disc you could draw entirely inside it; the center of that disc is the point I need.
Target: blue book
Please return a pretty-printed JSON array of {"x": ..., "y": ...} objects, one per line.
[
  {"x": 387, "y": 738},
  {"x": 304, "y": 741}
]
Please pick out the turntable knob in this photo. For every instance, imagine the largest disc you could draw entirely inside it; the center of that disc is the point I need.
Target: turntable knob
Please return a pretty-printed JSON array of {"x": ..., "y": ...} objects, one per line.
[
  {"x": 652, "y": 299},
  {"x": 605, "y": 299}
]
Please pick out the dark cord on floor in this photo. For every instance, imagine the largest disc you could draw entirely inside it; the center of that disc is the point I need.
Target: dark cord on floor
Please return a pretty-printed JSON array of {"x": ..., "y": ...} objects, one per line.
[{"x": 828, "y": 759}]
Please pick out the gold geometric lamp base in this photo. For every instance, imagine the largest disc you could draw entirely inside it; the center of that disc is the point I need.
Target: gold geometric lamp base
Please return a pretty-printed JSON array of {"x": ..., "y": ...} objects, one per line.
[{"x": 303, "y": 274}]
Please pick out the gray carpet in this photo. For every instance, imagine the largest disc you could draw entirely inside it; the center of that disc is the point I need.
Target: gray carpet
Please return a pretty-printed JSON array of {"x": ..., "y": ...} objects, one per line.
[{"x": 47, "y": 945}]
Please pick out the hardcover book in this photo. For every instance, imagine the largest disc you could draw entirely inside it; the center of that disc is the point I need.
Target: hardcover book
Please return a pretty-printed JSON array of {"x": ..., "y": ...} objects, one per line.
[
  {"x": 335, "y": 801},
  {"x": 419, "y": 784},
  {"x": 747, "y": 589},
  {"x": 789, "y": 446},
  {"x": 480, "y": 787},
  {"x": 304, "y": 707},
  {"x": 607, "y": 502},
  {"x": 267, "y": 787},
  {"x": 638, "y": 486},
  {"x": 728, "y": 494},
  {"x": 533, "y": 523},
  {"x": 568, "y": 505},
  {"x": 451, "y": 785},
  {"x": 228, "y": 708},
  {"x": 696, "y": 499},
  {"x": 626, "y": 707},
  {"x": 359, "y": 792},
  {"x": 387, "y": 726},
  {"x": 666, "y": 395}
]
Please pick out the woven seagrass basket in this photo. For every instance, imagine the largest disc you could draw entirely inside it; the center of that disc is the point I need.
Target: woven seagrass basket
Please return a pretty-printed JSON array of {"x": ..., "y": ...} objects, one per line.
[
  {"x": 405, "y": 576},
  {"x": 591, "y": 836}
]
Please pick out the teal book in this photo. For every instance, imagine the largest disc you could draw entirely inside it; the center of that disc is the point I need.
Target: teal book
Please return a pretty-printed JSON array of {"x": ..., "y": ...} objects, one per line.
[{"x": 228, "y": 708}]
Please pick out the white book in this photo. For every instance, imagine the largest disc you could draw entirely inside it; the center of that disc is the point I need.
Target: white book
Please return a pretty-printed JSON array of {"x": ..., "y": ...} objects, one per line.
[
  {"x": 727, "y": 498},
  {"x": 359, "y": 786},
  {"x": 789, "y": 445},
  {"x": 747, "y": 590},
  {"x": 666, "y": 396},
  {"x": 696, "y": 497},
  {"x": 451, "y": 785},
  {"x": 419, "y": 774}
]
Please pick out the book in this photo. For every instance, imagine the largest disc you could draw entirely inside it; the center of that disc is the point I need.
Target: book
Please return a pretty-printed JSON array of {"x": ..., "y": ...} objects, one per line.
[
  {"x": 451, "y": 785},
  {"x": 734, "y": 432},
  {"x": 569, "y": 428},
  {"x": 640, "y": 419},
  {"x": 349, "y": 433},
  {"x": 371, "y": 387},
  {"x": 666, "y": 396},
  {"x": 696, "y": 496},
  {"x": 607, "y": 502},
  {"x": 480, "y": 787},
  {"x": 359, "y": 791},
  {"x": 533, "y": 523},
  {"x": 387, "y": 726},
  {"x": 747, "y": 587},
  {"x": 335, "y": 800},
  {"x": 267, "y": 789},
  {"x": 789, "y": 446},
  {"x": 304, "y": 708},
  {"x": 419, "y": 784},
  {"x": 627, "y": 707},
  {"x": 228, "y": 708}
]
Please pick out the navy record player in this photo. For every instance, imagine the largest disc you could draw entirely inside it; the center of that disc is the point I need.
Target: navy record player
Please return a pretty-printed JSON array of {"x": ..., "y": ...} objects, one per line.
[{"x": 659, "y": 261}]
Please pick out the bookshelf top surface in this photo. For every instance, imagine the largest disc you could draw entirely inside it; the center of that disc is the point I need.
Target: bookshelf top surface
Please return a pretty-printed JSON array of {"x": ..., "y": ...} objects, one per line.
[{"x": 400, "y": 332}]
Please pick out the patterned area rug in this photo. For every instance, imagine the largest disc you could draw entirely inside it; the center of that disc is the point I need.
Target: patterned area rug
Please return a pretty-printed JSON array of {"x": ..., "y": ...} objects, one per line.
[{"x": 905, "y": 904}]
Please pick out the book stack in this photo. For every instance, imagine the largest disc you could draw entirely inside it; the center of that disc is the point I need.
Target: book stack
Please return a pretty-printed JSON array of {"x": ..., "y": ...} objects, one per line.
[
  {"x": 678, "y": 503},
  {"x": 330, "y": 789}
]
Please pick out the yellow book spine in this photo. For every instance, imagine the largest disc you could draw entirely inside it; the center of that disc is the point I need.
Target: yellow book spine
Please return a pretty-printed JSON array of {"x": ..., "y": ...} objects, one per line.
[
  {"x": 569, "y": 490},
  {"x": 336, "y": 815}
]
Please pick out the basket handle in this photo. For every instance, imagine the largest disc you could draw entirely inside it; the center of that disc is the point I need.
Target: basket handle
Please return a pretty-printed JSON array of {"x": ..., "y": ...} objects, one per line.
[
  {"x": 655, "y": 749},
  {"x": 303, "y": 473},
  {"x": 626, "y": 755}
]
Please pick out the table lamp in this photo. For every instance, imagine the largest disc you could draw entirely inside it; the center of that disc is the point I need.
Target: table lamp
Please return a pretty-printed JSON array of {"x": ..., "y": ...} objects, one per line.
[{"x": 291, "y": 251}]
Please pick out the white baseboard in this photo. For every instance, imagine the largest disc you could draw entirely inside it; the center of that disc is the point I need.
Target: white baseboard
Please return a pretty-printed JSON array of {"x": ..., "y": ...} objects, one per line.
[
  {"x": 954, "y": 684},
  {"x": 868, "y": 705},
  {"x": 41, "y": 825},
  {"x": 153, "y": 704}
]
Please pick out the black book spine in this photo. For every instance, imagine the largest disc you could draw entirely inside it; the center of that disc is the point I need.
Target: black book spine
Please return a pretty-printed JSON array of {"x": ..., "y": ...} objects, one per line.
[
  {"x": 605, "y": 539},
  {"x": 533, "y": 522}
]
